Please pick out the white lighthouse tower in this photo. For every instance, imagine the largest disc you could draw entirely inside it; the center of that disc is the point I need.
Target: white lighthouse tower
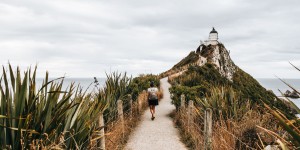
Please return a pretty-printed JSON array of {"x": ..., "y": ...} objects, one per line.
[
  {"x": 212, "y": 40},
  {"x": 213, "y": 37}
]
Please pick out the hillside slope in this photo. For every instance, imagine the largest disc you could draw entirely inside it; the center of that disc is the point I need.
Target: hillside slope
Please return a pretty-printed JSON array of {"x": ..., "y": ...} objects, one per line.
[
  {"x": 209, "y": 78},
  {"x": 211, "y": 66}
]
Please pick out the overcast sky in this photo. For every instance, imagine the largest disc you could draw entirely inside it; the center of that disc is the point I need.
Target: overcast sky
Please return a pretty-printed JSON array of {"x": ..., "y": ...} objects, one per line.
[{"x": 90, "y": 37}]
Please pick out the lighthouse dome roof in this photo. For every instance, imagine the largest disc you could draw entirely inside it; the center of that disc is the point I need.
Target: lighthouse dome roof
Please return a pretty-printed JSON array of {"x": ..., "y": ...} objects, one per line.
[{"x": 213, "y": 31}]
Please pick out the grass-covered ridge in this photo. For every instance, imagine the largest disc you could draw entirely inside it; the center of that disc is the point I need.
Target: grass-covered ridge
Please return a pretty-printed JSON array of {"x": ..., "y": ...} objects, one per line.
[
  {"x": 189, "y": 59},
  {"x": 237, "y": 105},
  {"x": 198, "y": 81}
]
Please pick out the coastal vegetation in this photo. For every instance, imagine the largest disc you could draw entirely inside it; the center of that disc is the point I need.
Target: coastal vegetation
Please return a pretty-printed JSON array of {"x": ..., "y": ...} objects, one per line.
[
  {"x": 184, "y": 64},
  {"x": 189, "y": 59},
  {"x": 290, "y": 138},
  {"x": 51, "y": 117},
  {"x": 197, "y": 82},
  {"x": 142, "y": 82},
  {"x": 238, "y": 108}
]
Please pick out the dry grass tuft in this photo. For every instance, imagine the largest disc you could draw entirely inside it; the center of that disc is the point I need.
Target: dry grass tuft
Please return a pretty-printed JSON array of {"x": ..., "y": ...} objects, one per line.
[
  {"x": 113, "y": 137},
  {"x": 227, "y": 134},
  {"x": 193, "y": 139},
  {"x": 160, "y": 93}
]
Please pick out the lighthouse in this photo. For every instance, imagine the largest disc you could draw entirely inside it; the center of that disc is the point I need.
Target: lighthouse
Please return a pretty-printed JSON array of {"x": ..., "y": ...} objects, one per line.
[
  {"x": 213, "y": 37},
  {"x": 212, "y": 40}
]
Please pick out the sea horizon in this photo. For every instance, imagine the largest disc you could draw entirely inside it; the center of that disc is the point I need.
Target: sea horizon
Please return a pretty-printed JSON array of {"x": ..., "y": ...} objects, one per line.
[
  {"x": 273, "y": 84},
  {"x": 268, "y": 83}
]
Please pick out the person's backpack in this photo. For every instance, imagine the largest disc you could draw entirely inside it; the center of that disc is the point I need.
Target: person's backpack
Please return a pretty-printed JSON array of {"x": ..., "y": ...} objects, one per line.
[{"x": 152, "y": 95}]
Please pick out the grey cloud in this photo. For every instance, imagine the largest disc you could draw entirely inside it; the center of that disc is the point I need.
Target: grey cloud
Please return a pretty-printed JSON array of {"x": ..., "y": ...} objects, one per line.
[{"x": 87, "y": 38}]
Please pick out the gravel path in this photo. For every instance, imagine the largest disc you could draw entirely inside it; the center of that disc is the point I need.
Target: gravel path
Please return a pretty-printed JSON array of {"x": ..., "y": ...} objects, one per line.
[{"x": 159, "y": 134}]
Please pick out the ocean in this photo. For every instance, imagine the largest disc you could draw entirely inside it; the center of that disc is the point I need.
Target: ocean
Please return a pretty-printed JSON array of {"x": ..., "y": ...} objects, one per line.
[
  {"x": 276, "y": 84},
  {"x": 268, "y": 83},
  {"x": 84, "y": 83}
]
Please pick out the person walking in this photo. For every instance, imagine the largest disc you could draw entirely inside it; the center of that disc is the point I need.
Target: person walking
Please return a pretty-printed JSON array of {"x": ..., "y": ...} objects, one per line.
[{"x": 152, "y": 98}]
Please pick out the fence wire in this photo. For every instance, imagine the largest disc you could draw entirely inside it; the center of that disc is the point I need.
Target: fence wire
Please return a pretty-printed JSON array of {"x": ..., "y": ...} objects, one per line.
[
  {"x": 130, "y": 110},
  {"x": 198, "y": 125},
  {"x": 235, "y": 137}
]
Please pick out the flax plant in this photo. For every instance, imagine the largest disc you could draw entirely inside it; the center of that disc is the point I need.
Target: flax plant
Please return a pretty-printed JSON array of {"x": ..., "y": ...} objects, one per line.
[
  {"x": 116, "y": 88},
  {"x": 47, "y": 117},
  {"x": 225, "y": 103}
]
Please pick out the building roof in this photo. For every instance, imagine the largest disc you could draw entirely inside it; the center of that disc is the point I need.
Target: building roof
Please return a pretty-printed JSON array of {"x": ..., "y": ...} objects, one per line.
[{"x": 213, "y": 30}]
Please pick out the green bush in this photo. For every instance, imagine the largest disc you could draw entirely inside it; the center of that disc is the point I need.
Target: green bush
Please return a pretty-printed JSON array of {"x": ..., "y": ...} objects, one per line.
[
  {"x": 138, "y": 84},
  {"x": 249, "y": 88},
  {"x": 191, "y": 93},
  {"x": 196, "y": 82}
]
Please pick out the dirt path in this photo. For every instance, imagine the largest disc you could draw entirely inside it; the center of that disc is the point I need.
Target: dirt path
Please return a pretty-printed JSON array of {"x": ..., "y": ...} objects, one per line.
[{"x": 159, "y": 134}]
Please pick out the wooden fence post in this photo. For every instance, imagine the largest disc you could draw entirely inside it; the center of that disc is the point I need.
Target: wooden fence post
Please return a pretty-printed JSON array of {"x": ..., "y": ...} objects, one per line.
[
  {"x": 208, "y": 129},
  {"x": 145, "y": 97},
  {"x": 101, "y": 141},
  {"x": 205, "y": 128},
  {"x": 190, "y": 114},
  {"x": 182, "y": 101},
  {"x": 130, "y": 105},
  {"x": 121, "y": 117},
  {"x": 138, "y": 104},
  {"x": 141, "y": 101}
]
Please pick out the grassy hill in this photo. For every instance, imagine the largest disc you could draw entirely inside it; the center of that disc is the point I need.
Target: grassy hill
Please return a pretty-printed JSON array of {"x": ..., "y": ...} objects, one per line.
[
  {"x": 197, "y": 82},
  {"x": 190, "y": 59},
  {"x": 237, "y": 106}
]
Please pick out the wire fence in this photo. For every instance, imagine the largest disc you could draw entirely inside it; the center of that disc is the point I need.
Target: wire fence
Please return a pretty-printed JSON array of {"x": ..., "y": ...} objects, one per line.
[
  {"x": 206, "y": 132},
  {"x": 118, "y": 126}
]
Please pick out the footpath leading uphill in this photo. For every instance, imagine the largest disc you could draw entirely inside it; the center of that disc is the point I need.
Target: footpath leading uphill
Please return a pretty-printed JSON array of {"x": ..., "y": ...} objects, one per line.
[{"x": 159, "y": 134}]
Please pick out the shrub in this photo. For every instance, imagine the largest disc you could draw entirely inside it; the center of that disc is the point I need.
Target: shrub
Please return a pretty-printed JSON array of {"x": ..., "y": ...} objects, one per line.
[{"x": 141, "y": 83}]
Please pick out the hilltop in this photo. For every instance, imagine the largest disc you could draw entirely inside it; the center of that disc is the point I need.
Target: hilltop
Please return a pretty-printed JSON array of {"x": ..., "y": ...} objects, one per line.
[
  {"x": 210, "y": 79},
  {"x": 210, "y": 65}
]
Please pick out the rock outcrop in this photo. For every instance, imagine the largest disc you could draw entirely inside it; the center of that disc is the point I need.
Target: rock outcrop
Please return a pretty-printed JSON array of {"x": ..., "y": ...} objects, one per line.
[
  {"x": 219, "y": 56},
  {"x": 290, "y": 94}
]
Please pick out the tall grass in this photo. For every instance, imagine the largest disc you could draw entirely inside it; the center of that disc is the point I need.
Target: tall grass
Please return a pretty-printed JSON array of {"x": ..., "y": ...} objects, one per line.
[
  {"x": 116, "y": 88},
  {"x": 233, "y": 119},
  {"x": 234, "y": 122},
  {"x": 290, "y": 138},
  {"x": 225, "y": 103},
  {"x": 241, "y": 123},
  {"x": 52, "y": 117}
]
